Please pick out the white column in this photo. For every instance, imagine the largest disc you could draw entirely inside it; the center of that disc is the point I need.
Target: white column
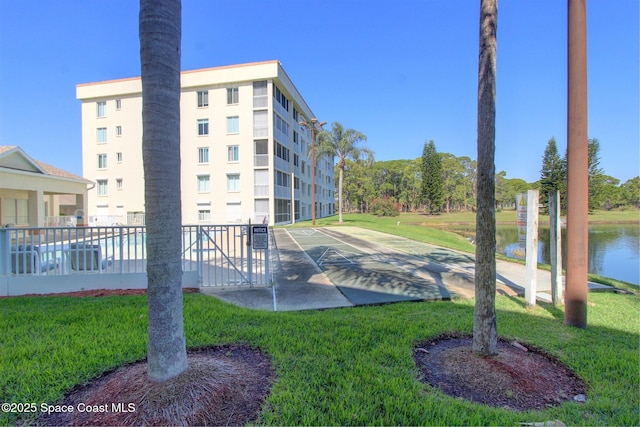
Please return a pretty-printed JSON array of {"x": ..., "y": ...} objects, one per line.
[
  {"x": 555, "y": 248},
  {"x": 36, "y": 208}
]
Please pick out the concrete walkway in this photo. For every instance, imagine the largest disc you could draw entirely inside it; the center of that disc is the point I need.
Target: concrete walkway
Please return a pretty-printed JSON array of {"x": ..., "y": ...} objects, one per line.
[{"x": 300, "y": 284}]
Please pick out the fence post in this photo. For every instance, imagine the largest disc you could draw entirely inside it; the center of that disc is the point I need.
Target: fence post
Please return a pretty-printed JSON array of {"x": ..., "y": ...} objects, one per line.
[
  {"x": 121, "y": 248},
  {"x": 249, "y": 255},
  {"x": 267, "y": 277},
  {"x": 5, "y": 249},
  {"x": 199, "y": 254}
]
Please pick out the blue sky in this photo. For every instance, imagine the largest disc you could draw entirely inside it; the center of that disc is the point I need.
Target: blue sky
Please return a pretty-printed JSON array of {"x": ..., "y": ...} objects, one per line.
[{"x": 401, "y": 71}]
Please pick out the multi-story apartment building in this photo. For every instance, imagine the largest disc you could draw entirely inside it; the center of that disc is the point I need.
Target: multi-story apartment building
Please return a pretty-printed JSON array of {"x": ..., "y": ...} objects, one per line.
[{"x": 244, "y": 154}]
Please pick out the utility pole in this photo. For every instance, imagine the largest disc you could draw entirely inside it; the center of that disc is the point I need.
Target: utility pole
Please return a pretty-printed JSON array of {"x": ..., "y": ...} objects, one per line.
[{"x": 575, "y": 313}]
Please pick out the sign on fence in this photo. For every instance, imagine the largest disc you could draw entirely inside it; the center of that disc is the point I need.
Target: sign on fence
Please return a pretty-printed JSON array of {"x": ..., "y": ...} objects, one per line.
[{"x": 260, "y": 236}]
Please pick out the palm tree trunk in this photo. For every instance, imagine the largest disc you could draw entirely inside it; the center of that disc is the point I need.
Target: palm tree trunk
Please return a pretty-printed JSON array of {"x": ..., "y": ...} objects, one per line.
[
  {"x": 340, "y": 194},
  {"x": 485, "y": 339},
  {"x": 160, "y": 39}
]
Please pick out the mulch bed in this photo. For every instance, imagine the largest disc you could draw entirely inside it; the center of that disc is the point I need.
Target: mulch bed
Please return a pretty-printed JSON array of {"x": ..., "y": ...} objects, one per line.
[
  {"x": 224, "y": 385},
  {"x": 520, "y": 377}
]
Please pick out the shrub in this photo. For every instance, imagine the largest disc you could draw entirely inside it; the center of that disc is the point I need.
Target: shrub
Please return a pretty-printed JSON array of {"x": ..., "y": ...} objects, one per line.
[{"x": 384, "y": 207}]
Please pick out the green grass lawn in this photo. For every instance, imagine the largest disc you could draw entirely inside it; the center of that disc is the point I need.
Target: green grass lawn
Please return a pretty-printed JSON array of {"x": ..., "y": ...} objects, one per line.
[
  {"x": 410, "y": 226},
  {"x": 443, "y": 220},
  {"x": 349, "y": 366}
]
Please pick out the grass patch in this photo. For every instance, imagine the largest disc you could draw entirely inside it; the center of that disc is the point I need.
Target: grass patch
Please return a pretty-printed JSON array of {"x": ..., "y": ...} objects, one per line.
[
  {"x": 468, "y": 218},
  {"x": 335, "y": 367},
  {"x": 404, "y": 225}
]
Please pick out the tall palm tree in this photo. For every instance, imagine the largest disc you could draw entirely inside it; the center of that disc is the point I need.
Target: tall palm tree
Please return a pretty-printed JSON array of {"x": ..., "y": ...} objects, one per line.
[
  {"x": 160, "y": 34},
  {"x": 343, "y": 144},
  {"x": 485, "y": 338}
]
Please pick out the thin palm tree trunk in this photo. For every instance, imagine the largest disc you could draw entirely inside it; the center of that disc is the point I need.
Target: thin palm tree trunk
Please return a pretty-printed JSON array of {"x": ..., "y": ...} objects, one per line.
[
  {"x": 485, "y": 340},
  {"x": 340, "y": 176},
  {"x": 160, "y": 34}
]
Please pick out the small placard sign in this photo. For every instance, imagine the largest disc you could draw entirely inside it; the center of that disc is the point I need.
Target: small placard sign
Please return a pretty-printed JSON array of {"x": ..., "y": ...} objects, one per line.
[{"x": 260, "y": 236}]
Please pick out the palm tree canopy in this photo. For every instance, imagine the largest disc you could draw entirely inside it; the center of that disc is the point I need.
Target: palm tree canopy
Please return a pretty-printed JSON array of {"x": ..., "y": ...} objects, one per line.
[{"x": 343, "y": 144}]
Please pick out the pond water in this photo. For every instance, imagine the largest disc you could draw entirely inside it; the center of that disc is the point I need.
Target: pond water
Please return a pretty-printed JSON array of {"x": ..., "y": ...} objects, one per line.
[{"x": 614, "y": 249}]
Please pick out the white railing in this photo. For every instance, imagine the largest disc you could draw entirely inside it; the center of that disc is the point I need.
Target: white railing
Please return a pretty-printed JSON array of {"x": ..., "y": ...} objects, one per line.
[
  {"x": 52, "y": 251},
  {"x": 261, "y": 190},
  {"x": 281, "y": 164},
  {"x": 281, "y": 136},
  {"x": 60, "y": 221},
  {"x": 95, "y": 220},
  {"x": 278, "y": 108},
  {"x": 67, "y": 259},
  {"x": 260, "y": 160},
  {"x": 282, "y": 192}
]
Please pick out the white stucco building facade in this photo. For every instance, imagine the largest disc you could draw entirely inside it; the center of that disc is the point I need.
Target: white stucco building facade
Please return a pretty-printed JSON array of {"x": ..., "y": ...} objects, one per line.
[{"x": 243, "y": 153}]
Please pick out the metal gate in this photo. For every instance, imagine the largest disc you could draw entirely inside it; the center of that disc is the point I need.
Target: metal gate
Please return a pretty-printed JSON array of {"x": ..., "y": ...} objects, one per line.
[{"x": 227, "y": 255}]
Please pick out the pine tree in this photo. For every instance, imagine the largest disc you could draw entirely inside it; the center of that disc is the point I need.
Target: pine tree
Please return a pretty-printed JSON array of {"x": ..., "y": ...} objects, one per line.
[
  {"x": 432, "y": 178},
  {"x": 597, "y": 177},
  {"x": 552, "y": 176}
]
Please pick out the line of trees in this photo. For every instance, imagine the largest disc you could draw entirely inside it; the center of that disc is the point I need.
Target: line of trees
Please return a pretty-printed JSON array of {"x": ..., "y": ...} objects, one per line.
[
  {"x": 451, "y": 185},
  {"x": 605, "y": 192},
  {"x": 441, "y": 182}
]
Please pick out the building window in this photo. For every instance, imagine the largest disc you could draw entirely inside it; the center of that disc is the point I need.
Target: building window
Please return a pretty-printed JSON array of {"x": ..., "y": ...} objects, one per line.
[
  {"x": 118, "y": 104},
  {"x": 118, "y": 130},
  {"x": 204, "y": 215},
  {"x": 101, "y": 108},
  {"x": 232, "y": 95},
  {"x": 204, "y": 184},
  {"x": 118, "y": 157},
  {"x": 280, "y": 98},
  {"x": 260, "y": 124},
  {"x": 15, "y": 211},
  {"x": 233, "y": 153},
  {"x": 282, "y": 179},
  {"x": 233, "y": 124},
  {"x": 203, "y": 126},
  {"x": 282, "y": 126},
  {"x": 102, "y": 135},
  {"x": 261, "y": 151},
  {"x": 233, "y": 183},
  {"x": 261, "y": 184},
  {"x": 281, "y": 151},
  {"x": 102, "y": 161},
  {"x": 118, "y": 183},
  {"x": 203, "y": 98},
  {"x": 102, "y": 187},
  {"x": 260, "y": 94},
  {"x": 203, "y": 155}
]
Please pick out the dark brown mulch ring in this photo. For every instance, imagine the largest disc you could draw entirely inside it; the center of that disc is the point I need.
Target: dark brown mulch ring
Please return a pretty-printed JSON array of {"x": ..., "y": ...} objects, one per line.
[
  {"x": 515, "y": 379},
  {"x": 224, "y": 385}
]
